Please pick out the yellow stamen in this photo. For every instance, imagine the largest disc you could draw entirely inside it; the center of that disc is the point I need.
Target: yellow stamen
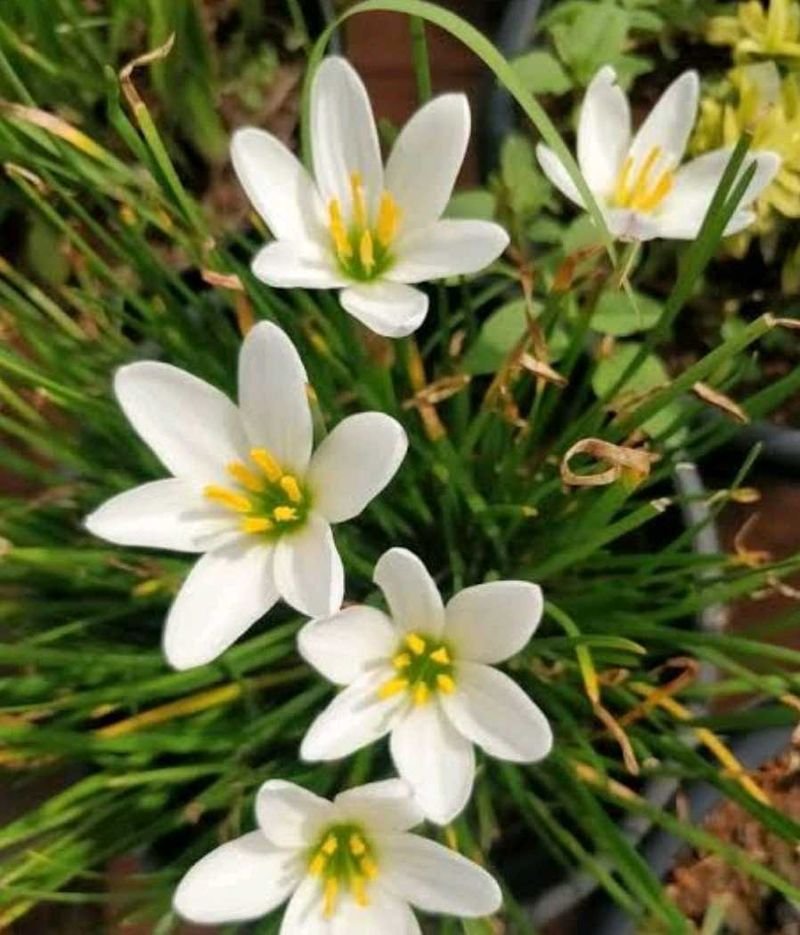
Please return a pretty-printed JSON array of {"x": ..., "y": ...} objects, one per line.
[
  {"x": 245, "y": 476},
  {"x": 329, "y": 846},
  {"x": 401, "y": 661},
  {"x": 331, "y": 890},
  {"x": 338, "y": 231},
  {"x": 415, "y": 643},
  {"x": 653, "y": 198},
  {"x": 284, "y": 514},
  {"x": 257, "y": 524},
  {"x": 359, "y": 207},
  {"x": 421, "y": 693},
  {"x": 369, "y": 868},
  {"x": 358, "y": 888},
  {"x": 291, "y": 488},
  {"x": 357, "y": 845},
  {"x": 441, "y": 656},
  {"x": 392, "y": 687},
  {"x": 267, "y": 463},
  {"x": 388, "y": 219},
  {"x": 445, "y": 683},
  {"x": 621, "y": 190},
  {"x": 366, "y": 252},
  {"x": 644, "y": 173},
  {"x": 233, "y": 501},
  {"x": 317, "y": 865}
]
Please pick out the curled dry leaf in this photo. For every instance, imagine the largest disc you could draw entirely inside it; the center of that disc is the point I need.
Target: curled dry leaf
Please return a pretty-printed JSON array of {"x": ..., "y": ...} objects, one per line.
[
  {"x": 634, "y": 462},
  {"x": 543, "y": 370},
  {"x": 125, "y": 73},
  {"x": 222, "y": 280},
  {"x": 709, "y": 395},
  {"x": 438, "y": 391}
]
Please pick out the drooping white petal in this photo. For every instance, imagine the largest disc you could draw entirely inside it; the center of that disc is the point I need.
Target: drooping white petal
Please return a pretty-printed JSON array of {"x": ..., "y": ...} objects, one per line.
[
  {"x": 224, "y": 594},
  {"x": 243, "y": 879},
  {"x": 669, "y": 123},
  {"x": 435, "y": 760},
  {"x": 490, "y": 622},
  {"x": 604, "y": 132},
  {"x": 411, "y": 593},
  {"x": 308, "y": 569},
  {"x": 356, "y": 717},
  {"x": 685, "y": 207},
  {"x": 289, "y": 815},
  {"x": 272, "y": 396},
  {"x": 344, "y": 138},
  {"x": 426, "y": 157},
  {"x": 391, "y": 309},
  {"x": 354, "y": 463},
  {"x": 278, "y": 186},
  {"x": 348, "y": 644},
  {"x": 555, "y": 170},
  {"x": 164, "y": 514},
  {"x": 436, "y": 879},
  {"x": 381, "y": 806},
  {"x": 288, "y": 264},
  {"x": 191, "y": 426},
  {"x": 447, "y": 248},
  {"x": 495, "y": 713}
]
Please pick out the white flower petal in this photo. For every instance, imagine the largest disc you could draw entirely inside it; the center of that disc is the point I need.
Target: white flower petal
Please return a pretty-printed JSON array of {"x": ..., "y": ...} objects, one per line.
[
  {"x": 355, "y": 718},
  {"x": 490, "y": 622},
  {"x": 308, "y": 570},
  {"x": 426, "y": 157},
  {"x": 411, "y": 593},
  {"x": 345, "y": 646},
  {"x": 604, "y": 132},
  {"x": 684, "y": 209},
  {"x": 555, "y": 170},
  {"x": 289, "y": 264},
  {"x": 436, "y": 879},
  {"x": 304, "y": 915},
  {"x": 384, "y": 913},
  {"x": 344, "y": 138},
  {"x": 272, "y": 396},
  {"x": 289, "y": 815},
  {"x": 625, "y": 224},
  {"x": 354, "y": 463},
  {"x": 164, "y": 514},
  {"x": 669, "y": 123},
  {"x": 435, "y": 760},
  {"x": 277, "y": 184},
  {"x": 495, "y": 713},
  {"x": 243, "y": 879},
  {"x": 447, "y": 248},
  {"x": 191, "y": 426},
  {"x": 224, "y": 594},
  {"x": 391, "y": 309},
  {"x": 381, "y": 806}
]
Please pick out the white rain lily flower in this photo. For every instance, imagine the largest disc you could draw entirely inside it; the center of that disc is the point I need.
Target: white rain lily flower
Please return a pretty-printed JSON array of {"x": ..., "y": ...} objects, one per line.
[
  {"x": 246, "y": 491},
  {"x": 347, "y": 867},
  {"x": 426, "y": 677},
  {"x": 639, "y": 183},
  {"x": 357, "y": 226}
]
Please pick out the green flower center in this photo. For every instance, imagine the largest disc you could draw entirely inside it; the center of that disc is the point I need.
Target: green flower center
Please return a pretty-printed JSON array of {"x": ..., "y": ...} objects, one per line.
[
  {"x": 424, "y": 666},
  {"x": 344, "y": 860}
]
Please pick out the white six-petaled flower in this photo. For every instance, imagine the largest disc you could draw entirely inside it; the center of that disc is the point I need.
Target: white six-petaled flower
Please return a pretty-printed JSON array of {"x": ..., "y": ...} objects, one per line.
[
  {"x": 426, "y": 677},
  {"x": 348, "y": 867},
  {"x": 638, "y": 181},
  {"x": 356, "y": 226},
  {"x": 246, "y": 491}
]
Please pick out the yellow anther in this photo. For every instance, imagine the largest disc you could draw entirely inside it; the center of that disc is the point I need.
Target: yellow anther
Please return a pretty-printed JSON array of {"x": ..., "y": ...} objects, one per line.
[
  {"x": 421, "y": 693},
  {"x": 330, "y": 845},
  {"x": 357, "y": 845},
  {"x": 359, "y": 890},
  {"x": 369, "y": 868},
  {"x": 228, "y": 498},
  {"x": 366, "y": 252},
  {"x": 267, "y": 463},
  {"x": 357, "y": 193},
  {"x": 621, "y": 190},
  {"x": 317, "y": 865},
  {"x": 653, "y": 198},
  {"x": 445, "y": 683},
  {"x": 329, "y": 901},
  {"x": 388, "y": 219},
  {"x": 257, "y": 524},
  {"x": 392, "y": 687},
  {"x": 338, "y": 231},
  {"x": 644, "y": 172},
  {"x": 442, "y": 656},
  {"x": 245, "y": 476},
  {"x": 415, "y": 643},
  {"x": 291, "y": 488},
  {"x": 401, "y": 661},
  {"x": 284, "y": 514}
]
